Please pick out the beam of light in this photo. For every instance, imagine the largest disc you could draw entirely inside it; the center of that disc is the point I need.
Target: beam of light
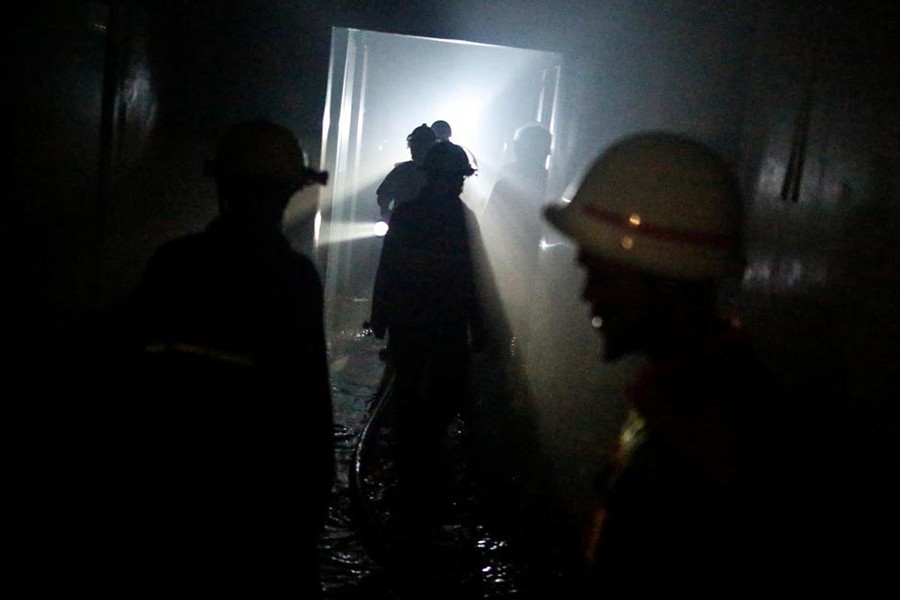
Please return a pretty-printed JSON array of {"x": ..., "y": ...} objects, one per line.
[
  {"x": 346, "y": 232},
  {"x": 302, "y": 206}
]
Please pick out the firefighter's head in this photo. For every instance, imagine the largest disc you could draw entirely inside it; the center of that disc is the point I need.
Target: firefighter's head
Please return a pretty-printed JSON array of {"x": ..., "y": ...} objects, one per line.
[
  {"x": 258, "y": 166},
  {"x": 419, "y": 141},
  {"x": 656, "y": 222},
  {"x": 442, "y": 130},
  {"x": 531, "y": 145},
  {"x": 446, "y": 166}
]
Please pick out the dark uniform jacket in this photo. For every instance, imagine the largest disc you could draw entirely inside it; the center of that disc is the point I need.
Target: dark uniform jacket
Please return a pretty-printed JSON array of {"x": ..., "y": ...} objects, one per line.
[
  {"x": 404, "y": 183},
  {"x": 235, "y": 405},
  {"x": 425, "y": 288}
]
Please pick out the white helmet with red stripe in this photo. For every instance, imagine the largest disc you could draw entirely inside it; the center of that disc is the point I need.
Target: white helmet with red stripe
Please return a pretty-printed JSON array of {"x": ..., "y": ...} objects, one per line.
[{"x": 660, "y": 202}]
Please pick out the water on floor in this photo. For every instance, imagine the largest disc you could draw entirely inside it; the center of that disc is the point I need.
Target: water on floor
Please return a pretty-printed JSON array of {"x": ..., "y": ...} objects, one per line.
[{"x": 470, "y": 549}]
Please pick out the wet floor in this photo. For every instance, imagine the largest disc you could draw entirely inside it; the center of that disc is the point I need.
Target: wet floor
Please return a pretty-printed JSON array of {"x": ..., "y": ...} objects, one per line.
[
  {"x": 347, "y": 566},
  {"x": 464, "y": 550}
]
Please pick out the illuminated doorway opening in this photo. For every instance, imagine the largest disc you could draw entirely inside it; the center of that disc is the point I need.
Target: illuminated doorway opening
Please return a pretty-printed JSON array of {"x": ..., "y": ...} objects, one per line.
[{"x": 380, "y": 87}]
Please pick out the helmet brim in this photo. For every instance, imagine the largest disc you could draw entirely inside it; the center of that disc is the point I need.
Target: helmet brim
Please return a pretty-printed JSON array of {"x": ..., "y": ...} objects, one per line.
[{"x": 631, "y": 246}]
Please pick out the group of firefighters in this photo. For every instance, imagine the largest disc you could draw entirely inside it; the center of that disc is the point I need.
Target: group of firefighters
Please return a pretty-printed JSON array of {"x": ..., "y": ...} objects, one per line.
[{"x": 705, "y": 479}]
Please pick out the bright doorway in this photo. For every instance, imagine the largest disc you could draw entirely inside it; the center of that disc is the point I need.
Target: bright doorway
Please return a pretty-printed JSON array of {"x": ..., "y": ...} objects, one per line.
[{"x": 380, "y": 87}]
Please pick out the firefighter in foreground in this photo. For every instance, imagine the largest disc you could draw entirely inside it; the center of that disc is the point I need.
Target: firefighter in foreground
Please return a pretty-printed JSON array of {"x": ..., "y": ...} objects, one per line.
[
  {"x": 233, "y": 437},
  {"x": 711, "y": 480}
]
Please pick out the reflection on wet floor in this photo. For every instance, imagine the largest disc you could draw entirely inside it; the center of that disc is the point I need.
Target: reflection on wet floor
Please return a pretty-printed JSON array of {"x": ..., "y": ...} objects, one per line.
[
  {"x": 463, "y": 551},
  {"x": 347, "y": 569}
]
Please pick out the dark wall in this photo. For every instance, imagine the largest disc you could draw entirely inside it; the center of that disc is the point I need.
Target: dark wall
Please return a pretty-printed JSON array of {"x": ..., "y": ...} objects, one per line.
[
  {"x": 819, "y": 163},
  {"x": 50, "y": 234}
]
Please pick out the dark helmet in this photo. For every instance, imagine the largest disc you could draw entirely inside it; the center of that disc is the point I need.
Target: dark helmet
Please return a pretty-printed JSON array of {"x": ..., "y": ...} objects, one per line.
[
  {"x": 422, "y": 134},
  {"x": 447, "y": 158},
  {"x": 261, "y": 150},
  {"x": 535, "y": 137},
  {"x": 442, "y": 130}
]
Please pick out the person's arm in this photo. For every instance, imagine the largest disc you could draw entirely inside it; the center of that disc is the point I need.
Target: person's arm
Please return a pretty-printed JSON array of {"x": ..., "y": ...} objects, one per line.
[
  {"x": 384, "y": 201},
  {"x": 379, "y": 319},
  {"x": 386, "y": 192}
]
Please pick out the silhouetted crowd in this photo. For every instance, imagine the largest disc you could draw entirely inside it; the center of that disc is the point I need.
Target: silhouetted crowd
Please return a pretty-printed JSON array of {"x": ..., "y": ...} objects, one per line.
[{"x": 716, "y": 484}]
